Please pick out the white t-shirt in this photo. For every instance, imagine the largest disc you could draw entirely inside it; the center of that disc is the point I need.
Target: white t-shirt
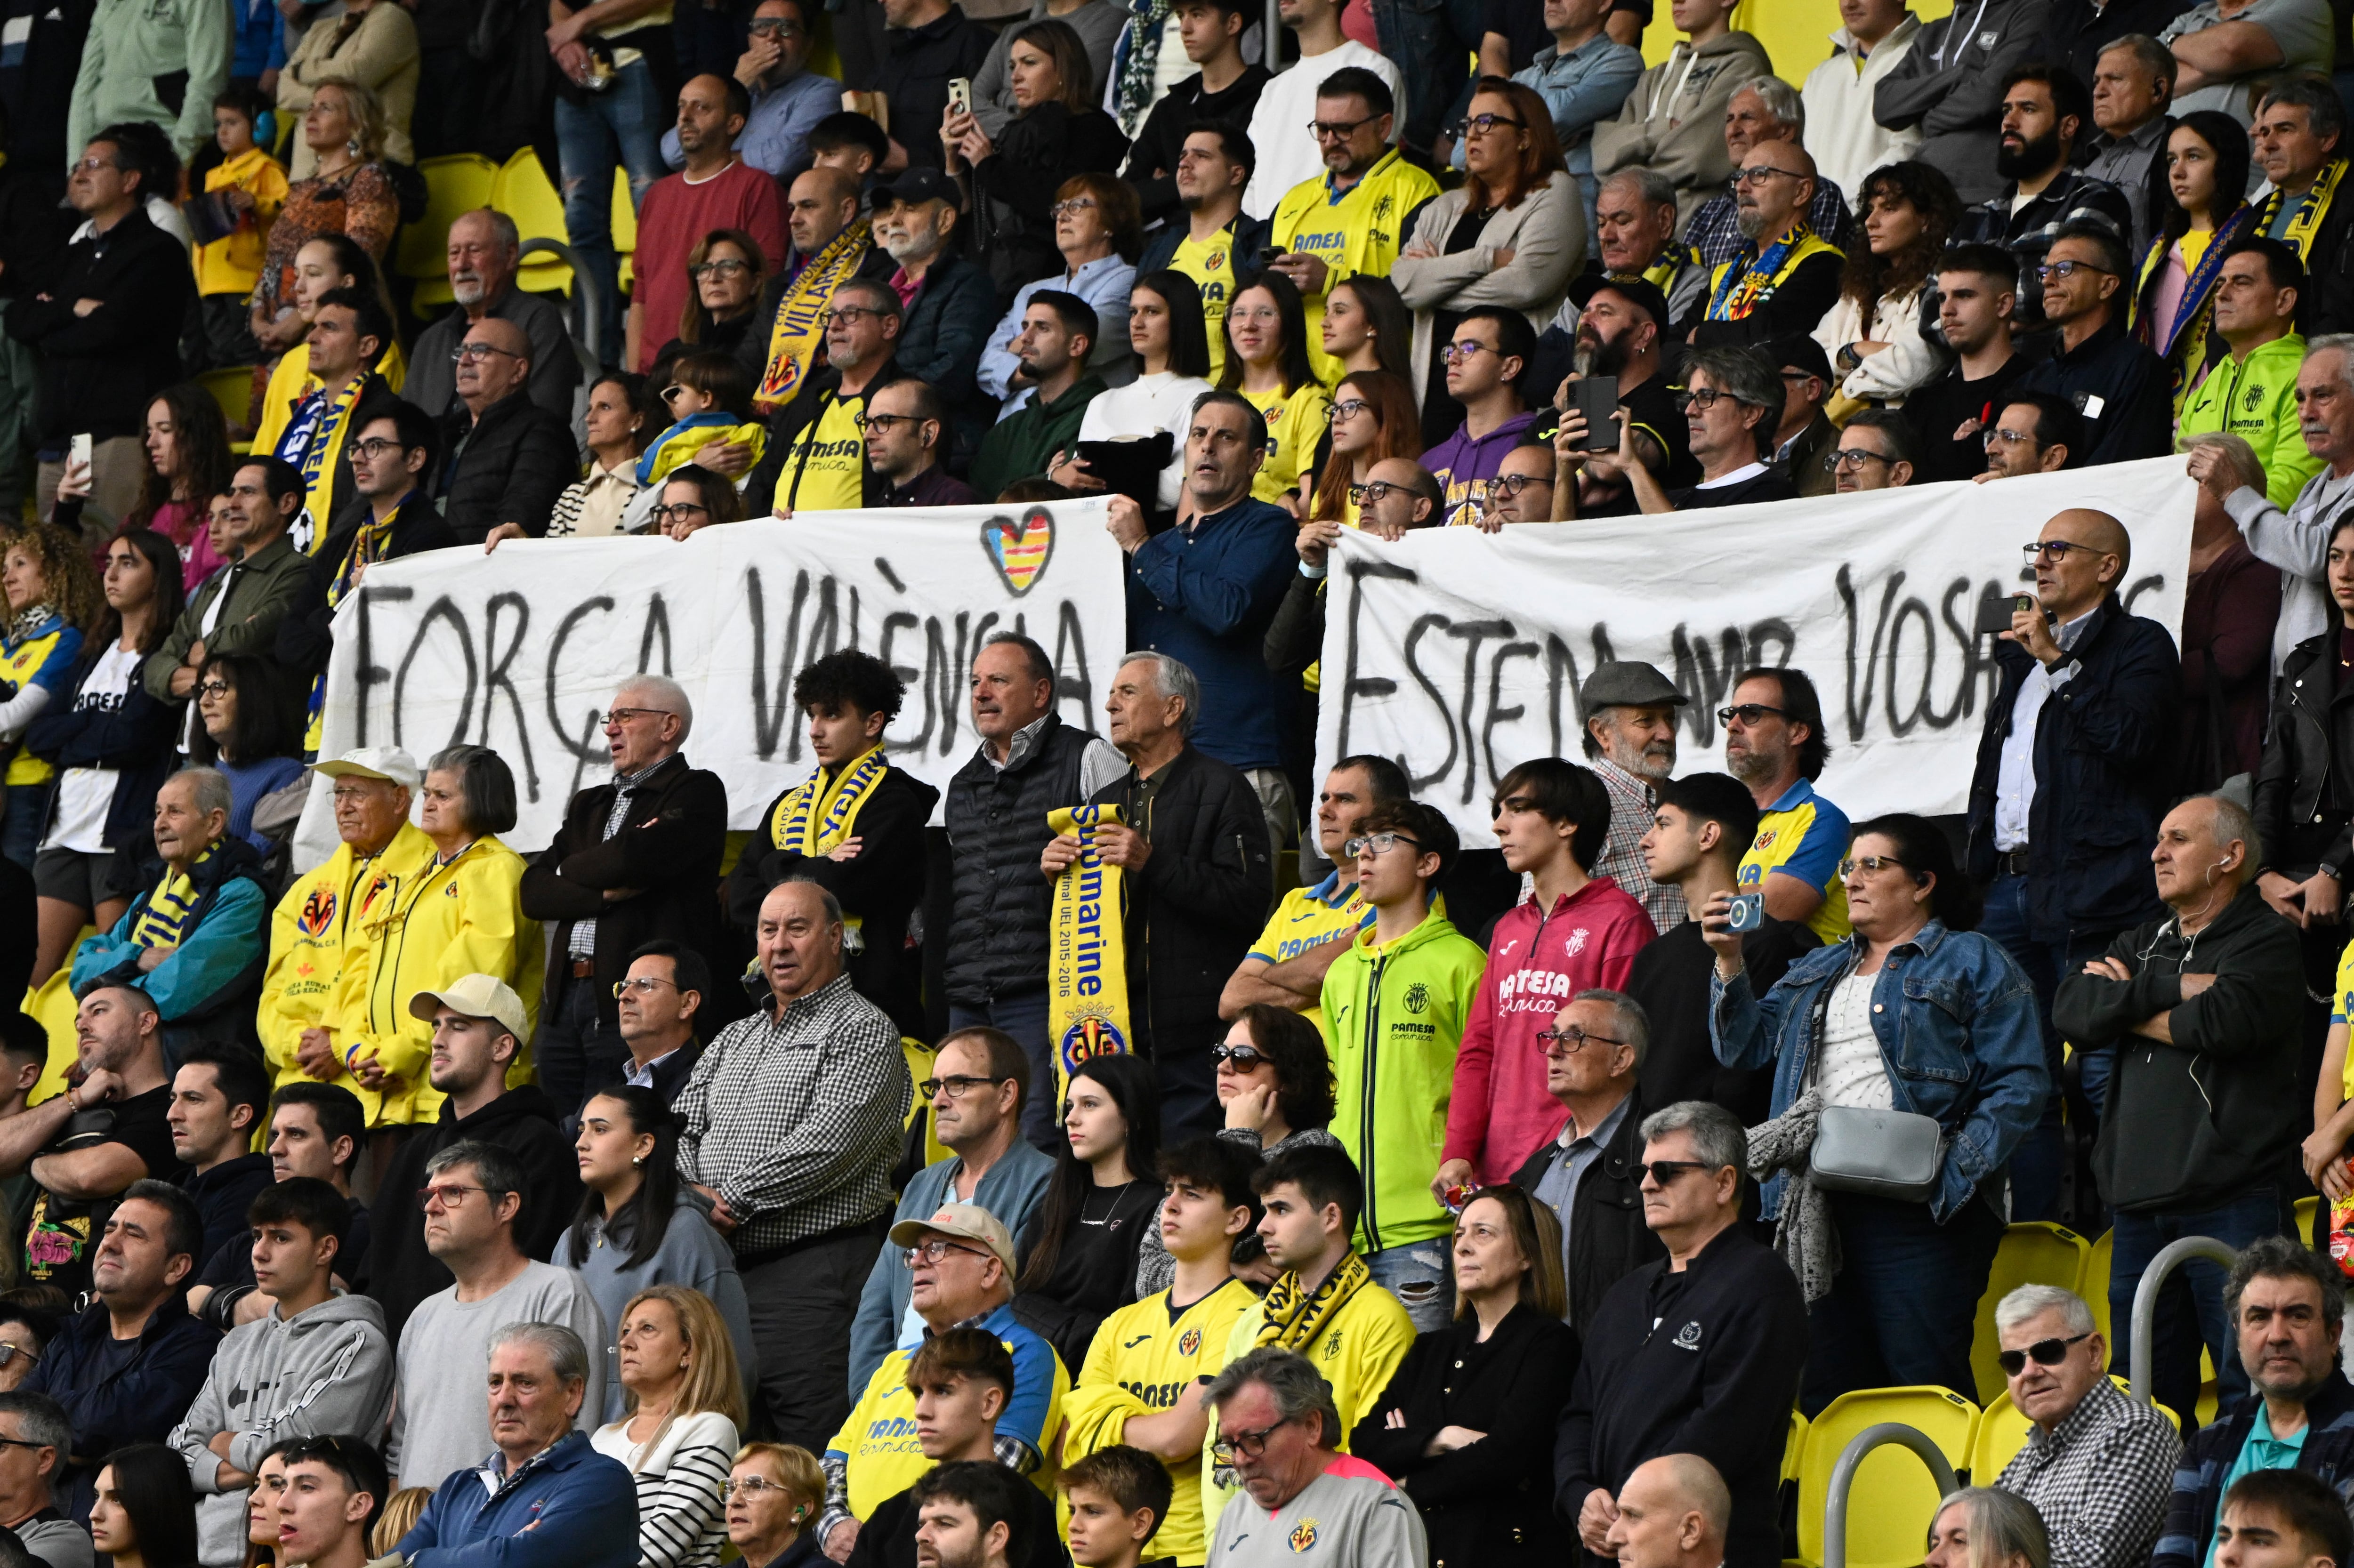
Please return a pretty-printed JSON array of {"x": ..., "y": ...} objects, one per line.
[
  {"x": 1288, "y": 151},
  {"x": 1145, "y": 406},
  {"x": 84, "y": 794},
  {"x": 1853, "y": 1072}
]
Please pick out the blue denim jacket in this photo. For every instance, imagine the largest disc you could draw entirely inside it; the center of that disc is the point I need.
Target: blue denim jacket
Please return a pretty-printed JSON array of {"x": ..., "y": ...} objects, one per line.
[{"x": 1958, "y": 1035}]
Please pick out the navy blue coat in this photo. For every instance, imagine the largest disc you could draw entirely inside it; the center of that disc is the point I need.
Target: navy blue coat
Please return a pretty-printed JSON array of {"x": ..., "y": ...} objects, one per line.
[
  {"x": 133, "y": 738},
  {"x": 139, "y": 1402},
  {"x": 571, "y": 1507}
]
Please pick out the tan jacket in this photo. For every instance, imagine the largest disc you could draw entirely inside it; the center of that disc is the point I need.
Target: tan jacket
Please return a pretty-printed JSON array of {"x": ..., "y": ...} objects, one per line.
[{"x": 381, "y": 55}]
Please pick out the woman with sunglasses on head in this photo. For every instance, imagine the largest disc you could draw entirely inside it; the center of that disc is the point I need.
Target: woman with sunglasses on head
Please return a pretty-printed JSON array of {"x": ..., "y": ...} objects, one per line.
[
  {"x": 1081, "y": 1261},
  {"x": 1916, "y": 1012},
  {"x": 774, "y": 1494}
]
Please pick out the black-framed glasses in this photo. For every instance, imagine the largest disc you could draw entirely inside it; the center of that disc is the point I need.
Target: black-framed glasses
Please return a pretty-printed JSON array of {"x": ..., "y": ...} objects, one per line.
[
  {"x": 1850, "y": 459},
  {"x": 1372, "y": 492},
  {"x": 216, "y": 687},
  {"x": 1748, "y": 714},
  {"x": 2066, "y": 269},
  {"x": 8, "y": 1354},
  {"x": 936, "y": 1248},
  {"x": 1869, "y": 864},
  {"x": 644, "y": 985},
  {"x": 1759, "y": 175},
  {"x": 1071, "y": 204},
  {"x": 1228, "y": 1447},
  {"x": 1701, "y": 398},
  {"x": 1571, "y": 1039},
  {"x": 378, "y": 447},
  {"x": 1243, "y": 1057},
  {"x": 1661, "y": 1173},
  {"x": 2056, "y": 550},
  {"x": 1376, "y": 843},
  {"x": 1346, "y": 408},
  {"x": 2043, "y": 1353},
  {"x": 884, "y": 422},
  {"x": 955, "y": 1083},
  {"x": 726, "y": 267},
  {"x": 1336, "y": 129},
  {"x": 1506, "y": 486},
  {"x": 468, "y": 352},
  {"x": 678, "y": 512},
  {"x": 1484, "y": 123},
  {"x": 849, "y": 315}
]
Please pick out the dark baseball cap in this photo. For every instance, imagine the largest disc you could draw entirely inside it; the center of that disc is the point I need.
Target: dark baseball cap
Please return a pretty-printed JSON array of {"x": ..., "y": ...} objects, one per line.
[
  {"x": 1643, "y": 294},
  {"x": 1797, "y": 351},
  {"x": 921, "y": 185}
]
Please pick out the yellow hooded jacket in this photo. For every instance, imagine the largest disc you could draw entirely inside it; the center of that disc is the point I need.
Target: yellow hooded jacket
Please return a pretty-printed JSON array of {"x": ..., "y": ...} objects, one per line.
[
  {"x": 306, "y": 943},
  {"x": 441, "y": 923}
]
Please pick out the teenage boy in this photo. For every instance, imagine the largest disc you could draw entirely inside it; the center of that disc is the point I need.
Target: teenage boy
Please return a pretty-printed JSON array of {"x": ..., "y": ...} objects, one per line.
[
  {"x": 1325, "y": 1306},
  {"x": 335, "y": 1488},
  {"x": 1484, "y": 357},
  {"x": 855, "y": 827},
  {"x": 2282, "y": 1519},
  {"x": 1395, "y": 1006},
  {"x": 1141, "y": 1387},
  {"x": 1700, "y": 828},
  {"x": 963, "y": 1380},
  {"x": 319, "y": 1361},
  {"x": 1575, "y": 932},
  {"x": 1118, "y": 1497}
]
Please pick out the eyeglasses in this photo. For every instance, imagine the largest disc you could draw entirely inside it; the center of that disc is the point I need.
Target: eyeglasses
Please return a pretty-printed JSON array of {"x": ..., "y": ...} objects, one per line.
[
  {"x": 1989, "y": 439},
  {"x": 1571, "y": 1039},
  {"x": 1371, "y": 493},
  {"x": 9, "y": 1354},
  {"x": 1850, "y": 459},
  {"x": 623, "y": 715},
  {"x": 751, "y": 1486},
  {"x": 1242, "y": 1058},
  {"x": 377, "y": 447},
  {"x": 92, "y": 165},
  {"x": 884, "y": 422},
  {"x": 1243, "y": 1445},
  {"x": 2043, "y": 1352},
  {"x": 1508, "y": 486},
  {"x": 726, "y": 267},
  {"x": 677, "y": 512},
  {"x": 218, "y": 688},
  {"x": 1075, "y": 205},
  {"x": 1336, "y": 129},
  {"x": 955, "y": 1084},
  {"x": 447, "y": 1195},
  {"x": 343, "y": 794},
  {"x": 1701, "y": 397},
  {"x": 469, "y": 353},
  {"x": 849, "y": 315},
  {"x": 1748, "y": 714},
  {"x": 1346, "y": 408},
  {"x": 644, "y": 985},
  {"x": 2055, "y": 550},
  {"x": 1759, "y": 175},
  {"x": 777, "y": 27},
  {"x": 936, "y": 1248},
  {"x": 1364, "y": 844},
  {"x": 1869, "y": 864},
  {"x": 2066, "y": 269},
  {"x": 1464, "y": 350},
  {"x": 1481, "y": 125},
  {"x": 1663, "y": 1172}
]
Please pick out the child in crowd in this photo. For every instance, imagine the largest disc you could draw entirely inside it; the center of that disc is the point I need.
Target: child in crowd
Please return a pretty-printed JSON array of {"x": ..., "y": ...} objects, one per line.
[
  {"x": 1118, "y": 1497},
  {"x": 711, "y": 400},
  {"x": 231, "y": 224}
]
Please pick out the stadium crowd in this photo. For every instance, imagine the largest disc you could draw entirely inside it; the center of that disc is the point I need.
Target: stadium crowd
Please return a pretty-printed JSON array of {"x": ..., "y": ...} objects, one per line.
[{"x": 668, "y": 1192}]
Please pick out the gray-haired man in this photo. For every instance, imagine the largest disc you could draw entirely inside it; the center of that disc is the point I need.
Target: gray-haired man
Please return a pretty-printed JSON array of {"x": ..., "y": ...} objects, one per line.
[
  {"x": 34, "y": 1439},
  {"x": 2097, "y": 1465},
  {"x": 1281, "y": 1432},
  {"x": 1765, "y": 111},
  {"x": 1630, "y": 744},
  {"x": 485, "y": 250}
]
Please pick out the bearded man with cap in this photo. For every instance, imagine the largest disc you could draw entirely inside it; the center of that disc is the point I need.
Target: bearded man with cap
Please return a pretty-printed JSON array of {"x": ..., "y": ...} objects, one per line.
[
  {"x": 1630, "y": 744},
  {"x": 478, "y": 1028},
  {"x": 961, "y": 1264},
  {"x": 380, "y": 849}
]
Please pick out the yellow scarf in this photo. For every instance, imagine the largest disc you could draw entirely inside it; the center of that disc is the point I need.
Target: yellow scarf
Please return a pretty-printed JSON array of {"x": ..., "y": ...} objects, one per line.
[
  {"x": 2312, "y": 207},
  {"x": 800, "y": 327},
  {"x": 1291, "y": 1320},
  {"x": 815, "y": 819},
  {"x": 1086, "y": 951},
  {"x": 167, "y": 909}
]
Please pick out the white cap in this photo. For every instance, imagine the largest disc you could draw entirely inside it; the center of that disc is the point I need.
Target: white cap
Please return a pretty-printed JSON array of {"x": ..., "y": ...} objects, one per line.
[{"x": 385, "y": 762}]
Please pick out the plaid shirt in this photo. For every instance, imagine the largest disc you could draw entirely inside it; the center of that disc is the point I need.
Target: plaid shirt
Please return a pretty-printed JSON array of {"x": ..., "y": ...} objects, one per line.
[
  {"x": 2100, "y": 1478},
  {"x": 1632, "y": 804},
  {"x": 795, "y": 1120}
]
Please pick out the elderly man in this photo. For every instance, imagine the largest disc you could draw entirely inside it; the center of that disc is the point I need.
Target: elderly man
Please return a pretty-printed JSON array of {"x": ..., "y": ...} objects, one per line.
[
  {"x": 1282, "y": 1436},
  {"x": 2288, "y": 1305},
  {"x": 1190, "y": 919},
  {"x": 1587, "y": 1173},
  {"x": 193, "y": 941},
  {"x": 635, "y": 860},
  {"x": 789, "y": 1127},
  {"x": 34, "y": 1439},
  {"x": 951, "y": 302},
  {"x": 788, "y": 97},
  {"x": 2035, "y": 432},
  {"x": 2202, "y": 1113},
  {"x": 1877, "y": 449},
  {"x": 2068, "y": 788},
  {"x": 1313, "y": 926},
  {"x": 714, "y": 188},
  {"x": 1635, "y": 219},
  {"x": 2097, "y": 1465},
  {"x": 1673, "y": 1512},
  {"x": 1784, "y": 277},
  {"x": 1630, "y": 743},
  {"x": 484, "y": 255},
  {"x": 2045, "y": 115},
  {"x": 2299, "y": 136},
  {"x": 1722, "y": 1383},
  {"x": 1840, "y": 131},
  {"x": 544, "y": 1498},
  {"x": 816, "y": 456},
  {"x": 509, "y": 457},
  {"x": 240, "y": 608},
  {"x": 1029, "y": 762},
  {"x": 1733, "y": 402},
  {"x": 1759, "y": 114},
  {"x": 2133, "y": 84},
  {"x": 2116, "y": 382}
]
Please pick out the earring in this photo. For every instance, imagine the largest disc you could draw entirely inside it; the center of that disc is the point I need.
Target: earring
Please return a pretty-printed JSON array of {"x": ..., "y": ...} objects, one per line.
[
  {"x": 638, "y": 1161},
  {"x": 353, "y": 146}
]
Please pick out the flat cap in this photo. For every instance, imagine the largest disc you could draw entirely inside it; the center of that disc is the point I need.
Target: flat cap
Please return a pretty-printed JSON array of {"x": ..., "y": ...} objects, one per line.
[{"x": 1628, "y": 683}]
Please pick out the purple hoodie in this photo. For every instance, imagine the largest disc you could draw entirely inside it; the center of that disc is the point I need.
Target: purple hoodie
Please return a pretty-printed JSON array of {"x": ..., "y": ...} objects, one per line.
[{"x": 1464, "y": 463}]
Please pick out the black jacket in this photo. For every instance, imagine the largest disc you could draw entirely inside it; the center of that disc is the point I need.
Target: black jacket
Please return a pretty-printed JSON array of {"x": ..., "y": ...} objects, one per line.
[
  {"x": 2305, "y": 786},
  {"x": 1669, "y": 977},
  {"x": 1715, "y": 1377},
  {"x": 222, "y": 1193},
  {"x": 887, "y": 1540},
  {"x": 769, "y": 485},
  {"x": 1151, "y": 165},
  {"x": 139, "y": 1402},
  {"x": 2135, "y": 389},
  {"x": 99, "y": 371},
  {"x": 306, "y": 636},
  {"x": 2197, "y": 1500},
  {"x": 2330, "y": 269},
  {"x": 996, "y": 820},
  {"x": 2102, "y": 745},
  {"x": 2027, "y": 232},
  {"x": 879, "y": 887},
  {"x": 1797, "y": 304},
  {"x": 134, "y": 737},
  {"x": 914, "y": 73},
  {"x": 1492, "y": 1501},
  {"x": 400, "y": 1273},
  {"x": 1607, "y": 1238},
  {"x": 1948, "y": 86},
  {"x": 1014, "y": 191},
  {"x": 2196, "y": 1123},
  {"x": 508, "y": 466},
  {"x": 1200, "y": 899},
  {"x": 941, "y": 339},
  {"x": 668, "y": 849}
]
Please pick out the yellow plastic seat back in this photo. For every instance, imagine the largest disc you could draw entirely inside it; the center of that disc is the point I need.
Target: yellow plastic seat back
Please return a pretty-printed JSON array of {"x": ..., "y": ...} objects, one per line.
[
  {"x": 1895, "y": 1498},
  {"x": 2038, "y": 1253}
]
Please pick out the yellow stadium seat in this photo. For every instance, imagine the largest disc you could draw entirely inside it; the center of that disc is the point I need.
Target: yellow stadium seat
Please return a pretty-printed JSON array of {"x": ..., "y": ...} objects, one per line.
[
  {"x": 2093, "y": 1285},
  {"x": 1794, "y": 1449},
  {"x": 232, "y": 389},
  {"x": 625, "y": 215},
  {"x": 1894, "y": 1499},
  {"x": 524, "y": 193},
  {"x": 2037, "y": 1254},
  {"x": 453, "y": 185},
  {"x": 2002, "y": 1433}
]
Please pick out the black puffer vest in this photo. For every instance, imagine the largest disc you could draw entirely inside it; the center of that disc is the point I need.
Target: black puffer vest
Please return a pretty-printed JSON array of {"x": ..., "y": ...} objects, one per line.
[{"x": 997, "y": 829}]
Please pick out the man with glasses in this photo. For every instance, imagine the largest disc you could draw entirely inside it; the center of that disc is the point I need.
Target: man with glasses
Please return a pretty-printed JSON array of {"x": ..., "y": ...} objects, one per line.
[
  {"x": 34, "y": 1439},
  {"x": 508, "y": 457},
  {"x": 980, "y": 1081},
  {"x": 1731, "y": 403},
  {"x": 2046, "y": 115},
  {"x": 1058, "y": 338},
  {"x": 2251, "y": 391},
  {"x": 1762, "y": 113},
  {"x": 907, "y": 429},
  {"x": 816, "y": 456},
  {"x": 2117, "y": 383},
  {"x": 788, "y": 97},
  {"x": 2098, "y": 1464},
  {"x": 1285, "y": 1443},
  {"x": 2033, "y": 432},
  {"x": 1523, "y": 490},
  {"x": 961, "y": 1264},
  {"x": 478, "y": 1035},
  {"x": 1804, "y": 433},
  {"x": 1697, "y": 1353},
  {"x": 656, "y": 1006},
  {"x": 1777, "y": 743},
  {"x": 1786, "y": 278},
  {"x": 1674, "y": 121},
  {"x": 471, "y": 1194},
  {"x": 1490, "y": 350},
  {"x": 485, "y": 251},
  {"x": 1877, "y": 450},
  {"x": 1343, "y": 93},
  {"x": 635, "y": 860}
]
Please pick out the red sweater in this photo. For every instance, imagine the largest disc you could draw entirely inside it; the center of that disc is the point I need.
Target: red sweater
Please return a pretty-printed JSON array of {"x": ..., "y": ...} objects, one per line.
[
  {"x": 1536, "y": 963},
  {"x": 671, "y": 221}
]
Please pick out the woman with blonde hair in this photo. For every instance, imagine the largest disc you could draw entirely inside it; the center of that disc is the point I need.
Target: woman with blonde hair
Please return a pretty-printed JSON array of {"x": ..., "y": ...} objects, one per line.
[
  {"x": 1982, "y": 1527},
  {"x": 685, "y": 1406},
  {"x": 372, "y": 44},
  {"x": 53, "y": 601},
  {"x": 401, "y": 1512},
  {"x": 774, "y": 1494}
]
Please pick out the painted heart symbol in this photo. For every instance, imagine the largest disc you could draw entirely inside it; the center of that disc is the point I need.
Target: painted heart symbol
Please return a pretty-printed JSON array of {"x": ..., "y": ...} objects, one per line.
[{"x": 1020, "y": 550}]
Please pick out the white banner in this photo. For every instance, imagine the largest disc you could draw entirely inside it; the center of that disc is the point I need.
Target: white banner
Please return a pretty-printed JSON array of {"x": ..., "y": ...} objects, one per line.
[
  {"x": 1461, "y": 653},
  {"x": 521, "y": 650}
]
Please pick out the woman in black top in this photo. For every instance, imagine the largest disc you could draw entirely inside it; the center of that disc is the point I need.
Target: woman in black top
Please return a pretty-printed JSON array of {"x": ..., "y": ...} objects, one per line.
[
  {"x": 1465, "y": 1426},
  {"x": 1082, "y": 1264}
]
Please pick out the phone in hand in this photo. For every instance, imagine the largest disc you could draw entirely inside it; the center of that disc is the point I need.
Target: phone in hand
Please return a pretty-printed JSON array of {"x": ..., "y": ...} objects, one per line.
[
  {"x": 78, "y": 450},
  {"x": 1267, "y": 256},
  {"x": 1597, "y": 400},
  {"x": 1747, "y": 912},
  {"x": 960, "y": 95},
  {"x": 1994, "y": 614}
]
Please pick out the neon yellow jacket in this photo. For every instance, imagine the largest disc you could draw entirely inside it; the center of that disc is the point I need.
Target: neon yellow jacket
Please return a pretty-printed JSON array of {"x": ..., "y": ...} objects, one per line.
[
  {"x": 306, "y": 943},
  {"x": 442, "y": 922},
  {"x": 2255, "y": 400},
  {"x": 1360, "y": 231}
]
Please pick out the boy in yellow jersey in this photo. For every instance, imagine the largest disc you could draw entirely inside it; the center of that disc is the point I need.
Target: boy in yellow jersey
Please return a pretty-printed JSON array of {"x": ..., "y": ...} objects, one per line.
[
  {"x": 1119, "y": 1496},
  {"x": 1217, "y": 240},
  {"x": 1146, "y": 1371},
  {"x": 1356, "y": 218},
  {"x": 1311, "y": 925},
  {"x": 816, "y": 459},
  {"x": 1773, "y": 743},
  {"x": 1324, "y": 1305},
  {"x": 245, "y": 190}
]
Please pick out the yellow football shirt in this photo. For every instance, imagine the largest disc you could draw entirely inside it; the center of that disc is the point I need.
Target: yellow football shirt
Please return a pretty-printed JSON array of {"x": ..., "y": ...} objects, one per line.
[
  {"x": 1210, "y": 264},
  {"x": 1805, "y": 836},
  {"x": 1295, "y": 424},
  {"x": 825, "y": 463}
]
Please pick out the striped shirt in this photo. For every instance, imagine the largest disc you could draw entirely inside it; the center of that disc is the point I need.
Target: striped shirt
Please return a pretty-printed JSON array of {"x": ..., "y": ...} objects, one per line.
[{"x": 682, "y": 1473}]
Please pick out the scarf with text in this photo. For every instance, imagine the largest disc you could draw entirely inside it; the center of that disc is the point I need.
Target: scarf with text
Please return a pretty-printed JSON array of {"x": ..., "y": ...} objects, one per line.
[
  {"x": 799, "y": 330},
  {"x": 1086, "y": 951}
]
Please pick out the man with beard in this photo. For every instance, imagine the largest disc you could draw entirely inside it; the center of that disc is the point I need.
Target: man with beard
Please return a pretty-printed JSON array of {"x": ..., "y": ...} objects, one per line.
[
  {"x": 2045, "y": 111},
  {"x": 1216, "y": 238},
  {"x": 1763, "y": 111},
  {"x": 1619, "y": 333},
  {"x": 1775, "y": 743},
  {"x": 1630, "y": 744},
  {"x": 485, "y": 249},
  {"x": 1977, "y": 286},
  {"x": 950, "y": 301},
  {"x": 1877, "y": 450},
  {"x": 1786, "y": 278}
]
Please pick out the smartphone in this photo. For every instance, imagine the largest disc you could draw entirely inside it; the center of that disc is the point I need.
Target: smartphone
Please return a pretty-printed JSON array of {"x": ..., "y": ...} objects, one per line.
[
  {"x": 960, "y": 95},
  {"x": 78, "y": 450},
  {"x": 1597, "y": 400},
  {"x": 1267, "y": 256},
  {"x": 1747, "y": 913},
  {"x": 1994, "y": 614}
]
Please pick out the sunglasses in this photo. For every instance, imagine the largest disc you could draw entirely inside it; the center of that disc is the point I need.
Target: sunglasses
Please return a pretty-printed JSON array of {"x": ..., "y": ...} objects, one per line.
[
  {"x": 1664, "y": 1172},
  {"x": 1243, "y": 1057},
  {"x": 2043, "y": 1352}
]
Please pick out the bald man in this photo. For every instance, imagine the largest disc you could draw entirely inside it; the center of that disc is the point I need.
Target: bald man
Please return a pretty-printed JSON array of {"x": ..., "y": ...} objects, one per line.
[
  {"x": 2075, "y": 769},
  {"x": 1786, "y": 278},
  {"x": 715, "y": 189},
  {"x": 513, "y": 457},
  {"x": 1673, "y": 1512}
]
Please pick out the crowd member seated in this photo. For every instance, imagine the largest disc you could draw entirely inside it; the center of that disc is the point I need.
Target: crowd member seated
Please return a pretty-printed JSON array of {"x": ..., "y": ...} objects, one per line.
[
  {"x": 682, "y": 1404},
  {"x": 1975, "y": 1520},
  {"x": 237, "y": 609},
  {"x": 1118, "y": 1497},
  {"x": 1286, "y": 1431},
  {"x": 1877, "y": 449},
  {"x": 1620, "y": 332},
  {"x": 1761, "y": 111},
  {"x": 219, "y": 1096},
  {"x": 773, "y": 1494},
  {"x": 2277, "y": 1510},
  {"x": 332, "y": 1495},
  {"x": 1081, "y": 1264},
  {"x": 662, "y": 998},
  {"x": 2299, "y": 143},
  {"x": 2034, "y": 431},
  {"x": 1165, "y": 327},
  {"x": 35, "y": 1453},
  {"x": 966, "y": 1516},
  {"x": 510, "y": 457},
  {"x": 1949, "y": 88},
  {"x": 1487, "y": 350},
  {"x": 1977, "y": 286},
  {"x": 485, "y": 253},
  {"x": 1673, "y": 123},
  {"x": 1224, "y": 90},
  {"x": 1875, "y": 330},
  {"x": 1804, "y": 433},
  {"x": 1285, "y": 161},
  {"x": 2117, "y": 383},
  {"x": 907, "y": 432},
  {"x": 142, "y": 1507},
  {"x": 2242, "y": 45},
  {"x": 1097, "y": 232},
  {"x": 2132, "y": 80},
  {"x": 1733, "y": 402},
  {"x": 544, "y": 1498},
  {"x": 1720, "y": 1389},
  {"x": 950, "y": 301},
  {"x": 1634, "y": 223},
  {"x": 1784, "y": 279},
  {"x": 1058, "y": 338},
  {"x": 2252, "y": 390},
  {"x": 816, "y": 459},
  {"x": 1673, "y": 1512},
  {"x": 2046, "y": 116},
  {"x": 2098, "y": 1464}
]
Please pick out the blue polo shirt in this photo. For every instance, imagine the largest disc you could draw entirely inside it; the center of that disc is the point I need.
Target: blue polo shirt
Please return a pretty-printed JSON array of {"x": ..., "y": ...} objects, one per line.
[{"x": 1204, "y": 596}]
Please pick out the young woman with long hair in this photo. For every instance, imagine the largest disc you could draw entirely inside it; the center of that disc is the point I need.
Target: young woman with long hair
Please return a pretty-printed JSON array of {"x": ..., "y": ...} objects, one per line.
[
  {"x": 1173, "y": 348},
  {"x": 1373, "y": 419},
  {"x": 145, "y": 1512},
  {"x": 1873, "y": 334},
  {"x": 1367, "y": 327},
  {"x": 2202, "y": 211},
  {"x": 1082, "y": 1260},
  {"x": 1267, "y": 362},
  {"x": 53, "y": 601}
]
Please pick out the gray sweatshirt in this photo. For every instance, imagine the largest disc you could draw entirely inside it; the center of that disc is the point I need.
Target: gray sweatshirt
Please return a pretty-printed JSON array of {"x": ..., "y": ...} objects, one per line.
[
  {"x": 692, "y": 1254},
  {"x": 326, "y": 1370},
  {"x": 441, "y": 1422}
]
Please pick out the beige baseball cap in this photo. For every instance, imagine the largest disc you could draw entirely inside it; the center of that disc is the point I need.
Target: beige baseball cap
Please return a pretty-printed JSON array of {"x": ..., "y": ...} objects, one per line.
[
  {"x": 389, "y": 763},
  {"x": 478, "y": 996},
  {"x": 968, "y": 1222}
]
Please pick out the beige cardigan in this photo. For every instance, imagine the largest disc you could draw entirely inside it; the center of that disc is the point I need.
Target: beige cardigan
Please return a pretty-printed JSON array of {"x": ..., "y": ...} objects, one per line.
[
  {"x": 1545, "y": 233},
  {"x": 380, "y": 55}
]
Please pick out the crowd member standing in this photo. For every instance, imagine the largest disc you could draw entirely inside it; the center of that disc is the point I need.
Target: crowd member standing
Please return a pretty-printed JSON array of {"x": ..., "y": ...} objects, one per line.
[
  {"x": 1295, "y": 99},
  {"x": 1949, "y": 88},
  {"x": 1977, "y": 287},
  {"x": 508, "y": 457},
  {"x": 789, "y": 1127},
  {"x": 1779, "y": 750},
  {"x": 1848, "y": 142},
  {"x": 1761, "y": 112},
  {"x": 2251, "y": 391},
  {"x": 1216, "y": 239},
  {"x": 715, "y": 189},
  {"x": 2046, "y": 115},
  {"x": 1673, "y": 123},
  {"x": 1630, "y": 745},
  {"x": 239, "y": 609},
  {"x": 1225, "y": 90},
  {"x": 1311, "y": 926},
  {"x": 2118, "y": 384}
]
